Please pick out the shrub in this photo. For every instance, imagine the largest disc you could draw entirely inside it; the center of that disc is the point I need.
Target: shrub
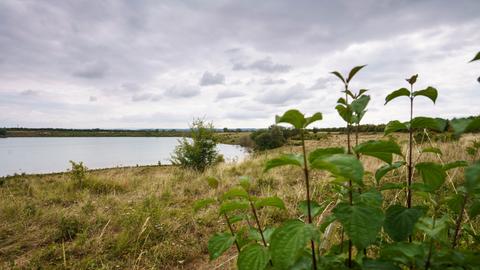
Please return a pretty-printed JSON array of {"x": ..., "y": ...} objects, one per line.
[
  {"x": 3, "y": 132},
  {"x": 199, "y": 152},
  {"x": 270, "y": 138},
  {"x": 78, "y": 172}
]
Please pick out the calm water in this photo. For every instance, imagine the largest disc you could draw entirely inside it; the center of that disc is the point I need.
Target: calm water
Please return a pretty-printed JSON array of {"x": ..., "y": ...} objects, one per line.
[{"x": 44, "y": 155}]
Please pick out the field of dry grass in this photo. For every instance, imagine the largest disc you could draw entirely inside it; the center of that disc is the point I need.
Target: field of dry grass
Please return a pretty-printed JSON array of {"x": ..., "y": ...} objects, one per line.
[{"x": 142, "y": 218}]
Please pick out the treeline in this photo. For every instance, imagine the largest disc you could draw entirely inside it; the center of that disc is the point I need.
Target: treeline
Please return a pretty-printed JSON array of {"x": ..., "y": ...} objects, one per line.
[{"x": 61, "y": 132}]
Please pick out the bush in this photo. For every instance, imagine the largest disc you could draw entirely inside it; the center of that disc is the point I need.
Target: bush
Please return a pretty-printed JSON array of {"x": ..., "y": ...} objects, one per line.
[
  {"x": 199, "y": 152},
  {"x": 3, "y": 132},
  {"x": 78, "y": 173},
  {"x": 270, "y": 138}
]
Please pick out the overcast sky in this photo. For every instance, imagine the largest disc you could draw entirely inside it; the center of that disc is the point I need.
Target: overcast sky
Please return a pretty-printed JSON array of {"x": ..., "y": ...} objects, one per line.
[{"x": 159, "y": 64}]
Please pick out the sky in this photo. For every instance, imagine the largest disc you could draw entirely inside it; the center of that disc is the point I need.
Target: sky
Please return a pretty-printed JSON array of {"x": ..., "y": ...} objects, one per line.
[{"x": 160, "y": 64}]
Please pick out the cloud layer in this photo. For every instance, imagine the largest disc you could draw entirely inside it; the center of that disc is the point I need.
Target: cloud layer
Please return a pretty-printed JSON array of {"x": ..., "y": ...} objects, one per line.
[{"x": 154, "y": 64}]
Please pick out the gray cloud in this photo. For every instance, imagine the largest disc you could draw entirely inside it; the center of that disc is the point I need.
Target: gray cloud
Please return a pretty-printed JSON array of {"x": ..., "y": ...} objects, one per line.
[
  {"x": 185, "y": 91},
  {"x": 265, "y": 65},
  {"x": 229, "y": 94},
  {"x": 113, "y": 51},
  {"x": 29, "y": 92},
  {"x": 92, "y": 98},
  {"x": 212, "y": 79}
]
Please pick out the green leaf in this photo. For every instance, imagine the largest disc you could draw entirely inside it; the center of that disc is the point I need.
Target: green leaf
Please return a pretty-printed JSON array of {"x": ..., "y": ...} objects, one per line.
[
  {"x": 433, "y": 175},
  {"x": 421, "y": 122},
  {"x": 341, "y": 165},
  {"x": 348, "y": 92},
  {"x": 400, "y": 221},
  {"x": 370, "y": 197},
  {"x": 382, "y": 171},
  {"x": 463, "y": 125},
  {"x": 315, "y": 208},
  {"x": 361, "y": 222},
  {"x": 270, "y": 201},
  {"x": 402, "y": 252},
  {"x": 474, "y": 209},
  {"x": 455, "y": 202},
  {"x": 219, "y": 243},
  {"x": 397, "y": 93},
  {"x": 288, "y": 242},
  {"x": 476, "y": 58},
  {"x": 472, "y": 178},
  {"x": 229, "y": 206},
  {"x": 359, "y": 104},
  {"x": 316, "y": 117},
  {"x": 245, "y": 182},
  {"x": 382, "y": 150},
  {"x": 412, "y": 79},
  {"x": 437, "y": 230},
  {"x": 236, "y": 192},
  {"x": 429, "y": 92},
  {"x": 293, "y": 117},
  {"x": 345, "y": 112},
  {"x": 379, "y": 265},
  {"x": 253, "y": 257},
  {"x": 342, "y": 101},
  {"x": 361, "y": 92},
  {"x": 212, "y": 182},
  {"x": 434, "y": 150},
  {"x": 394, "y": 126},
  {"x": 354, "y": 71},
  {"x": 322, "y": 152},
  {"x": 455, "y": 164},
  {"x": 336, "y": 73},
  {"x": 289, "y": 159},
  {"x": 237, "y": 218},
  {"x": 267, "y": 234},
  {"x": 200, "y": 204}
]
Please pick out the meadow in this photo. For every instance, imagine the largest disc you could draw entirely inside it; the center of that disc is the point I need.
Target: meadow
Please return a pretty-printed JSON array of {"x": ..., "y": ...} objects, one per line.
[{"x": 143, "y": 217}]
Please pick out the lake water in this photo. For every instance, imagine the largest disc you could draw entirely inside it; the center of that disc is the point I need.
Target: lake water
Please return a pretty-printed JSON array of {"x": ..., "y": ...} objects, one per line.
[{"x": 45, "y": 155}]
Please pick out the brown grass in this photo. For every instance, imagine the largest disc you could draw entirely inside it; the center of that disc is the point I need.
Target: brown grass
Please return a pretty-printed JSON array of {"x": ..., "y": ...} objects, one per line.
[{"x": 142, "y": 218}]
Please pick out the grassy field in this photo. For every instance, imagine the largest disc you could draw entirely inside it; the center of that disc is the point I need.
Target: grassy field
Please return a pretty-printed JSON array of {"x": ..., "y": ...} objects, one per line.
[{"x": 142, "y": 218}]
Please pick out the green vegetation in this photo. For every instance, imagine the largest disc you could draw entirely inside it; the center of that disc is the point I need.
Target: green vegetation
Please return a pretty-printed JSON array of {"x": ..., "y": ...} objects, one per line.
[
  {"x": 200, "y": 152},
  {"x": 273, "y": 137},
  {"x": 3, "y": 132}
]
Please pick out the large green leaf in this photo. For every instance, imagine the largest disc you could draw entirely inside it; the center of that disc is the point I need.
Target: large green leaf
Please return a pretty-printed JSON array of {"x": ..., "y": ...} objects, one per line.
[
  {"x": 370, "y": 197},
  {"x": 253, "y": 257},
  {"x": 402, "y": 252},
  {"x": 289, "y": 159},
  {"x": 476, "y": 58},
  {"x": 400, "y": 221},
  {"x": 455, "y": 164},
  {"x": 428, "y": 92},
  {"x": 270, "y": 201},
  {"x": 436, "y": 124},
  {"x": 322, "y": 152},
  {"x": 200, "y": 204},
  {"x": 433, "y": 150},
  {"x": 386, "y": 168},
  {"x": 315, "y": 208},
  {"x": 361, "y": 222},
  {"x": 293, "y": 117},
  {"x": 219, "y": 243},
  {"x": 463, "y": 125},
  {"x": 472, "y": 178},
  {"x": 433, "y": 175},
  {"x": 341, "y": 165},
  {"x": 379, "y": 265},
  {"x": 354, "y": 71},
  {"x": 394, "y": 126},
  {"x": 359, "y": 104},
  {"x": 436, "y": 229},
  {"x": 315, "y": 117},
  {"x": 342, "y": 101},
  {"x": 235, "y": 192},
  {"x": 474, "y": 209},
  {"x": 336, "y": 73},
  {"x": 288, "y": 242},
  {"x": 382, "y": 150},
  {"x": 229, "y": 206},
  {"x": 397, "y": 93},
  {"x": 345, "y": 112}
]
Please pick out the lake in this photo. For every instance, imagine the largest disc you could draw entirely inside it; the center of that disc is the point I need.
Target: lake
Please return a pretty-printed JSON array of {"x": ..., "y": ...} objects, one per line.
[{"x": 46, "y": 155}]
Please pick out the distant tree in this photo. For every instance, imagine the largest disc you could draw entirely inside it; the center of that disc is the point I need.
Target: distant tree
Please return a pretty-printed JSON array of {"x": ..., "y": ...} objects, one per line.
[
  {"x": 225, "y": 129},
  {"x": 238, "y": 130},
  {"x": 270, "y": 138},
  {"x": 3, "y": 132},
  {"x": 199, "y": 152}
]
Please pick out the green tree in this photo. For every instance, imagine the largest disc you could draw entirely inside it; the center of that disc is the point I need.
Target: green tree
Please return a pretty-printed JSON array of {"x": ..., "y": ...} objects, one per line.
[
  {"x": 270, "y": 138},
  {"x": 3, "y": 132},
  {"x": 199, "y": 152}
]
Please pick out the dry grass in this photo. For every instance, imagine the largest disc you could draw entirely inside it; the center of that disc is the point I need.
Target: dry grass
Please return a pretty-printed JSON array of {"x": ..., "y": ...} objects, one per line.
[{"x": 142, "y": 218}]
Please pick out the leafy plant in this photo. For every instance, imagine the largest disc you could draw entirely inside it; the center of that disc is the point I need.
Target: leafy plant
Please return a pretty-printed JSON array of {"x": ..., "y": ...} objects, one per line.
[
  {"x": 200, "y": 152},
  {"x": 78, "y": 173}
]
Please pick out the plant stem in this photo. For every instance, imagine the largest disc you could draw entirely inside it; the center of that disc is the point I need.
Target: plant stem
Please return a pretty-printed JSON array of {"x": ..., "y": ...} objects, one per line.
[
  {"x": 350, "y": 195},
  {"x": 430, "y": 249},
  {"x": 459, "y": 222},
  {"x": 231, "y": 231},
  {"x": 307, "y": 185},
  {"x": 348, "y": 124},
  {"x": 410, "y": 155},
  {"x": 257, "y": 220}
]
